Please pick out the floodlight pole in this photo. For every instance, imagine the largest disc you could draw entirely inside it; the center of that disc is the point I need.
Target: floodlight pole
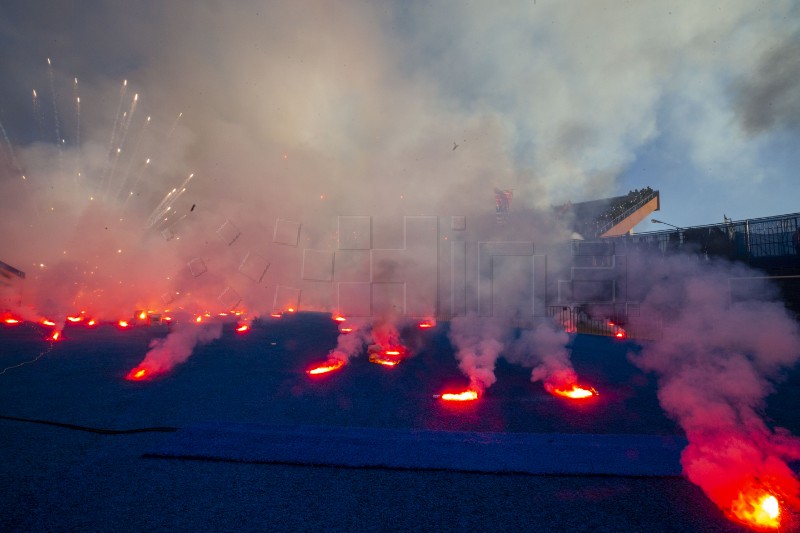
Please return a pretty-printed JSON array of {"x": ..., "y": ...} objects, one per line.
[{"x": 653, "y": 220}]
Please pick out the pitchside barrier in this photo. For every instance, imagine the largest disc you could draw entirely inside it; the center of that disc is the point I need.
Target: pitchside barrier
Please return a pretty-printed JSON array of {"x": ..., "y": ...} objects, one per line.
[{"x": 625, "y": 326}]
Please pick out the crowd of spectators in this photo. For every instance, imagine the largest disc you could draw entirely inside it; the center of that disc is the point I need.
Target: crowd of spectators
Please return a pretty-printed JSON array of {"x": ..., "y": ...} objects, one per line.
[{"x": 616, "y": 210}]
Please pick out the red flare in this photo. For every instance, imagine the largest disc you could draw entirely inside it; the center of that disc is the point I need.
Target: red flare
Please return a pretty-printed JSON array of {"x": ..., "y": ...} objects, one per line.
[
  {"x": 384, "y": 362},
  {"x": 123, "y": 324},
  {"x": 757, "y": 509},
  {"x": 345, "y": 330},
  {"x": 11, "y": 321},
  {"x": 276, "y": 315},
  {"x": 426, "y": 324},
  {"x": 573, "y": 391},
  {"x": 339, "y": 318},
  {"x": 464, "y": 396},
  {"x": 329, "y": 366},
  {"x": 386, "y": 357},
  {"x": 138, "y": 374},
  {"x": 55, "y": 336},
  {"x": 243, "y": 328}
]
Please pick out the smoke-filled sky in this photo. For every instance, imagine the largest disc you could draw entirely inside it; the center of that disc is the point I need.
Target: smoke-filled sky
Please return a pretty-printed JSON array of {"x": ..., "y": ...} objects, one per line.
[
  {"x": 560, "y": 100},
  {"x": 288, "y": 115}
]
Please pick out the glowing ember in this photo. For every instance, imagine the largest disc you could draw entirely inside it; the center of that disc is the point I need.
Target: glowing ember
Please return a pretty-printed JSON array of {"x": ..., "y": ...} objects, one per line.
[
  {"x": 55, "y": 336},
  {"x": 242, "y": 328},
  {"x": 167, "y": 319},
  {"x": 757, "y": 509},
  {"x": 142, "y": 315},
  {"x": 339, "y": 318},
  {"x": 48, "y": 322},
  {"x": 465, "y": 396},
  {"x": 384, "y": 362},
  {"x": 123, "y": 323},
  {"x": 74, "y": 319},
  {"x": 425, "y": 324},
  {"x": 11, "y": 321},
  {"x": 388, "y": 357},
  {"x": 345, "y": 330},
  {"x": 138, "y": 374},
  {"x": 198, "y": 319},
  {"x": 575, "y": 391},
  {"x": 275, "y": 315},
  {"x": 329, "y": 366},
  {"x": 91, "y": 322}
]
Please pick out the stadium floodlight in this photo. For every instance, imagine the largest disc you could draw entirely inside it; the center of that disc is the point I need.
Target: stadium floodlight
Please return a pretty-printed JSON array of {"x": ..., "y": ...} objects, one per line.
[{"x": 654, "y": 221}]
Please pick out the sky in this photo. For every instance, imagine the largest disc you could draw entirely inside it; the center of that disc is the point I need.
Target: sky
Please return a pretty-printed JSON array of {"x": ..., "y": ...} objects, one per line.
[
  {"x": 560, "y": 101},
  {"x": 209, "y": 124}
]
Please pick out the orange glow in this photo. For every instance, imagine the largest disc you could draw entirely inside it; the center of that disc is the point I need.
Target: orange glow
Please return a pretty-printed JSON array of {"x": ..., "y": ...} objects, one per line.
[
  {"x": 167, "y": 319},
  {"x": 11, "y": 321},
  {"x": 339, "y": 318},
  {"x": 275, "y": 315},
  {"x": 74, "y": 319},
  {"x": 757, "y": 509},
  {"x": 385, "y": 362},
  {"x": 198, "y": 319},
  {"x": 123, "y": 323},
  {"x": 290, "y": 310},
  {"x": 328, "y": 366},
  {"x": 426, "y": 324},
  {"x": 138, "y": 374},
  {"x": 465, "y": 396},
  {"x": 387, "y": 357},
  {"x": 55, "y": 336},
  {"x": 620, "y": 334},
  {"x": 48, "y": 322},
  {"x": 142, "y": 315},
  {"x": 91, "y": 322},
  {"x": 574, "y": 391},
  {"x": 345, "y": 330},
  {"x": 242, "y": 328}
]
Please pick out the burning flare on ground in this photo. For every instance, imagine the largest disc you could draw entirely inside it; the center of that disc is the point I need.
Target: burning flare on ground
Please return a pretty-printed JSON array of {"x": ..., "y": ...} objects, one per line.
[
  {"x": 330, "y": 365},
  {"x": 464, "y": 396},
  {"x": 572, "y": 391},
  {"x": 757, "y": 509},
  {"x": 138, "y": 374},
  {"x": 468, "y": 395},
  {"x": 386, "y": 357}
]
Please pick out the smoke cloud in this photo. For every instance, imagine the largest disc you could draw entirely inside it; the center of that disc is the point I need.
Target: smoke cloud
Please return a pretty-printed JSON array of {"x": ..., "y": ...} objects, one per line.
[
  {"x": 164, "y": 354},
  {"x": 724, "y": 348},
  {"x": 478, "y": 342},
  {"x": 544, "y": 349}
]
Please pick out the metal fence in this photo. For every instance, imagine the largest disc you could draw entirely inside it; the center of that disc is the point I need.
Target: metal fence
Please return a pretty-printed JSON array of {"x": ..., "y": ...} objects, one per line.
[
  {"x": 576, "y": 320},
  {"x": 745, "y": 240}
]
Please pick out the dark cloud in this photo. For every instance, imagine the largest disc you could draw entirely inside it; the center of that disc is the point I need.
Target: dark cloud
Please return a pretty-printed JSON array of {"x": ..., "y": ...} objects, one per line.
[{"x": 770, "y": 96}]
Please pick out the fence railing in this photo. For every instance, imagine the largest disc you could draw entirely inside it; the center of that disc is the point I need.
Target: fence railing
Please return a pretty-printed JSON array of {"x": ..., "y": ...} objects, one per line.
[
  {"x": 576, "y": 320},
  {"x": 745, "y": 240}
]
